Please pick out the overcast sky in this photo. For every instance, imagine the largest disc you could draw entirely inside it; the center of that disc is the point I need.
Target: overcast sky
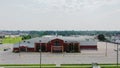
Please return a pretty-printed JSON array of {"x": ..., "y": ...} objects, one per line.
[{"x": 59, "y": 14}]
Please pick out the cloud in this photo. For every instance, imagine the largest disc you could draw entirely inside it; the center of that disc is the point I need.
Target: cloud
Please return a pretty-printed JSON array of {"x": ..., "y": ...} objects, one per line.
[
  {"x": 66, "y": 5},
  {"x": 58, "y": 13}
]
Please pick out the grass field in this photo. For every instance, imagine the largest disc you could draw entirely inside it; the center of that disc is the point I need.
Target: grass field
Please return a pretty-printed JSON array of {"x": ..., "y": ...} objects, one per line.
[
  {"x": 9, "y": 40},
  {"x": 27, "y": 65},
  {"x": 54, "y": 66}
]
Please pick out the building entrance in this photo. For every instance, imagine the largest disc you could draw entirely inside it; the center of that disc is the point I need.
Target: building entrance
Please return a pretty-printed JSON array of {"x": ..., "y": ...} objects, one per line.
[{"x": 57, "y": 49}]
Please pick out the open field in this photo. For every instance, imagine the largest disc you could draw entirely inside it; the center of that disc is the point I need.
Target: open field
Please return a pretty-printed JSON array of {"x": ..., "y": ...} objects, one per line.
[
  {"x": 27, "y": 65},
  {"x": 9, "y": 40}
]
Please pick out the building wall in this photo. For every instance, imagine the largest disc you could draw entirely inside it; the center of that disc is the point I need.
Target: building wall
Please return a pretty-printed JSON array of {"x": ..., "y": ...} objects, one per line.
[
  {"x": 30, "y": 50},
  {"x": 44, "y": 47},
  {"x": 67, "y": 47},
  {"x": 94, "y": 47},
  {"x": 23, "y": 48},
  {"x": 15, "y": 49},
  {"x": 48, "y": 47}
]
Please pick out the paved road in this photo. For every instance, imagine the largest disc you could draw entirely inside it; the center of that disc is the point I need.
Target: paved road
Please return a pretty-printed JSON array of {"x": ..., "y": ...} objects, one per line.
[{"x": 86, "y": 56}]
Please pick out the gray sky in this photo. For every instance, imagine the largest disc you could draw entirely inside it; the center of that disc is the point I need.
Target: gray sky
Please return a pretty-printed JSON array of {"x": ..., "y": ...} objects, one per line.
[{"x": 59, "y": 14}]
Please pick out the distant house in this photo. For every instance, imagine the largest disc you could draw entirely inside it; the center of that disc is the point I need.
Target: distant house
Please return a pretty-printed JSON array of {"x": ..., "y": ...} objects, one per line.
[
  {"x": 56, "y": 44},
  {"x": 1, "y": 38},
  {"x": 12, "y": 36}
]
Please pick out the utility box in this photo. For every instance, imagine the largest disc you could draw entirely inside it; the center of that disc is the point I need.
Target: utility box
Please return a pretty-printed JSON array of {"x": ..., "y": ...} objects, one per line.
[{"x": 58, "y": 65}]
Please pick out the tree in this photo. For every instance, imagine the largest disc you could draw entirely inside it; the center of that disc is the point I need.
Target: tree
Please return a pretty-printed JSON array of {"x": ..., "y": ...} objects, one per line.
[
  {"x": 101, "y": 37},
  {"x": 24, "y": 37}
]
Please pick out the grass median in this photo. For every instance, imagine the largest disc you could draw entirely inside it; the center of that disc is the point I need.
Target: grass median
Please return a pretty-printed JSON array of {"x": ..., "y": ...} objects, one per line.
[{"x": 54, "y": 65}]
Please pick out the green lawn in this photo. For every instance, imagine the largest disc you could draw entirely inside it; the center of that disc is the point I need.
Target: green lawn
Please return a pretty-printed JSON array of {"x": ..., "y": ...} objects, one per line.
[
  {"x": 76, "y": 66},
  {"x": 28, "y": 65},
  {"x": 109, "y": 65},
  {"x": 9, "y": 40}
]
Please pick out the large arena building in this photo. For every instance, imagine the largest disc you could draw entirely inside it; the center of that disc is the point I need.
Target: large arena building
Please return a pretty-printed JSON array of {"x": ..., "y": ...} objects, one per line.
[{"x": 56, "y": 44}]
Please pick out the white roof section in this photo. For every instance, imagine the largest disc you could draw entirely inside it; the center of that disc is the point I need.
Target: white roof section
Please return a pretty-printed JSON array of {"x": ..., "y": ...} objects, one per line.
[
  {"x": 28, "y": 43},
  {"x": 117, "y": 41},
  {"x": 90, "y": 43}
]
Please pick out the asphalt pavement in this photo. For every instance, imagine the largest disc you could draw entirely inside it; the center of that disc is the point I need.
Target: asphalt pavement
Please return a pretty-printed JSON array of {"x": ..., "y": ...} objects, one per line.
[{"x": 85, "y": 57}]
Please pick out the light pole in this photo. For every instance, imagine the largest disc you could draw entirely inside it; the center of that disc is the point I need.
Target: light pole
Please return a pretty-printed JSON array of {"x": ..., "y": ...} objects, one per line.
[
  {"x": 40, "y": 53},
  {"x": 117, "y": 55},
  {"x": 19, "y": 43},
  {"x": 106, "y": 49},
  {"x": 40, "y": 58},
  {"x": 19, "y": 48}
]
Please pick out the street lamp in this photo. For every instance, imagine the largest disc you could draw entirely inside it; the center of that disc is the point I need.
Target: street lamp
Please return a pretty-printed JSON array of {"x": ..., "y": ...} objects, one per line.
[
  {"x": 19, "y": 44},
  {"x": 117, "y": 51},
  {"x": 40, "y": 53},
  {"x": 40, "y": 58},
  {"x": 117, "y": 55},
  {"x": 19, "y": 48},
  {"x": 106, "y": 49}
]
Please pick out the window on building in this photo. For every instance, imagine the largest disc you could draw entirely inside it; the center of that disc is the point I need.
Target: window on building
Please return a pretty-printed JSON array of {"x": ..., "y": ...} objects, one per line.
[{"x": 56, "y": 43}]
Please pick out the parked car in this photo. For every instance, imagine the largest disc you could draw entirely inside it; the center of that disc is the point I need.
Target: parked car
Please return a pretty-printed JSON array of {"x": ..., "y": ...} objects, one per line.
[{"x": 16, "y": 51}]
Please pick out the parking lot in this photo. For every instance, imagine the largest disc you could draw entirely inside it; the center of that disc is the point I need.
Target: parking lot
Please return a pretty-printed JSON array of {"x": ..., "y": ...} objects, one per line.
[{"x": 85, "y": 57}]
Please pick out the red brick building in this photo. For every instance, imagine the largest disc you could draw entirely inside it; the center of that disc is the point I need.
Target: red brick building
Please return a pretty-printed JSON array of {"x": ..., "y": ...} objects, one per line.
[{"x": 55, "y": 44}]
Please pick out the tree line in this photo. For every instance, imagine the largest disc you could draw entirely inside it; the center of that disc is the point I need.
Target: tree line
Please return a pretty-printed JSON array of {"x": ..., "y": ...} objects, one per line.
[{"x": 72, "y": 32}]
